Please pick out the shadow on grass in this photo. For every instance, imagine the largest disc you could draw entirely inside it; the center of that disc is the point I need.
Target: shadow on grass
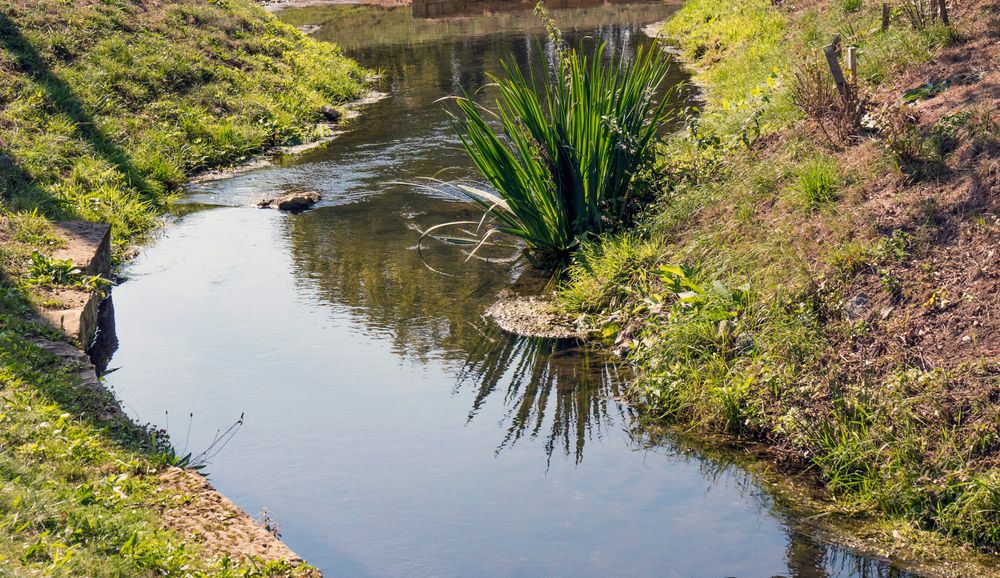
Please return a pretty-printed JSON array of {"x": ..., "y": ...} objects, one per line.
[
  {"x": 60, "y": 95},
  {"x": 38, "y": 358},
  {"x": 20, "y": 192},
  {"x": 31, "y": 353}
]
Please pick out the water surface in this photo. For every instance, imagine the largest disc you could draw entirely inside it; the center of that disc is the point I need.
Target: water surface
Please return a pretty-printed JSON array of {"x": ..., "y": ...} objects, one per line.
[{"x": 389, "y": 429}]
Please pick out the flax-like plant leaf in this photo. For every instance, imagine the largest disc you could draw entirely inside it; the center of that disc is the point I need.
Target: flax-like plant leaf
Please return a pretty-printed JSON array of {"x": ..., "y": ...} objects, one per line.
[{"x": 564, "y": 145}]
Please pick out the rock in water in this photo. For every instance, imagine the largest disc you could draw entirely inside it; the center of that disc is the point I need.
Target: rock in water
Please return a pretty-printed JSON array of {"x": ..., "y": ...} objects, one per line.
[
  {"x": 291, "y": 202},
  {"x": 330, "y": 113}
]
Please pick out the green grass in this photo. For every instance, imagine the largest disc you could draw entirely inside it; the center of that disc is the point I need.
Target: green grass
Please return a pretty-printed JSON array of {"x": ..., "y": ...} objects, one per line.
[
  {"x": 106, "y": 108},
  {"x": 754, "y": 351},
  {"x": 851, "y": 5},
  {"x": 818, "y": 183},
  {"x": 738, "y": 50}
]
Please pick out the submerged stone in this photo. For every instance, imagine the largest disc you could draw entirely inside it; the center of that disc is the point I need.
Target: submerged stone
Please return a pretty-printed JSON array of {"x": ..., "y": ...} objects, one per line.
[{"x": 291, "y": 202}]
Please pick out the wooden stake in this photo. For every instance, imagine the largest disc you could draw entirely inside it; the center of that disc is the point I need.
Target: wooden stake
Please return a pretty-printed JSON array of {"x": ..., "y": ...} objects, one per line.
[
  {"x": 852, "y": 62},
  {"x": 943, "y": 9},
  {"x": 885, "y": 16},
  {"x": 835, "y": 70}
]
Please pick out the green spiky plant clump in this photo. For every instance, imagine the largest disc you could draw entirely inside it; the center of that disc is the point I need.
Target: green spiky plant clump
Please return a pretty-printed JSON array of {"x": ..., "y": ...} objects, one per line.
[{"x": 568, "y": 146}]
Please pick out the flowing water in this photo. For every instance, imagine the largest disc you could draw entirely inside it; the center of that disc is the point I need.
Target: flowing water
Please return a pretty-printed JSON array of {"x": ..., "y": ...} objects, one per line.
[{"x": 388, "y": 428}]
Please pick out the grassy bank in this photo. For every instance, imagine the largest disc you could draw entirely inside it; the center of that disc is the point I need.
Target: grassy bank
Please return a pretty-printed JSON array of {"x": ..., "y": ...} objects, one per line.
[
  {"x": 821, "y": 281},
  {"x": 81, "y": 494},
  {"x": 106, "y": 108}
]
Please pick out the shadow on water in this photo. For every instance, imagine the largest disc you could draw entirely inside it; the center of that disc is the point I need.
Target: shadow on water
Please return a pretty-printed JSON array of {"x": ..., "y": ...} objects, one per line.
[{"x": 105, "y": 342}]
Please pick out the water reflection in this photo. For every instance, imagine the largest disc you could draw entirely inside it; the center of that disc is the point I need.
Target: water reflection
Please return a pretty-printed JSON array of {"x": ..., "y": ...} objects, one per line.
[
  {"x": 357, "y": 28},
  {"x": 493, "y": 8},
  {"x": 362, "y": 255},
  {"x": 806, "y": 556},
  {"x": 359, "y": 249},
  {"x": 554, "y": 389}
]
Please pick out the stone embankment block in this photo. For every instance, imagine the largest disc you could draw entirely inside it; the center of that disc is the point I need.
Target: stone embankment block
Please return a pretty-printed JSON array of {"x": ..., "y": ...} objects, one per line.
[{"x": 89, "y": 246}]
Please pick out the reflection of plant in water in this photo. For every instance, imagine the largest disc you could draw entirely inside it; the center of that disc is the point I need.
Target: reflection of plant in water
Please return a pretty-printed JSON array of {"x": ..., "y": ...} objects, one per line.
[
  {"x": 431, "y": 316},
  {"x": 530, "y": 372}
]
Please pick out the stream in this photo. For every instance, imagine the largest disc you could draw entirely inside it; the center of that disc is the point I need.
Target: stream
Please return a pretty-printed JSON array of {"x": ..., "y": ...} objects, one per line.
[{"x": 387, "y": 427}]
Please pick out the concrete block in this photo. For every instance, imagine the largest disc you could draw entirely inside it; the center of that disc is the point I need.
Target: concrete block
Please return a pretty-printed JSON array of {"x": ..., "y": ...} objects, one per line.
[{"x": 88, "y": 245}]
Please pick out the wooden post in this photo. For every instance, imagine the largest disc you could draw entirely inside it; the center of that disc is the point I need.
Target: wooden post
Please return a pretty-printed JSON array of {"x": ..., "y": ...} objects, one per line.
[
  {"x": 835, "y": 70},
  {"x": 852, "y": 63},
  {"x": 943, "y": 10},
  {"x": 885, "y": 16}
]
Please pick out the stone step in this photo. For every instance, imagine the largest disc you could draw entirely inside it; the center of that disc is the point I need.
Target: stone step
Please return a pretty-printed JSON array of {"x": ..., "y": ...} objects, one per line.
[{"x": 89, "y": 246}]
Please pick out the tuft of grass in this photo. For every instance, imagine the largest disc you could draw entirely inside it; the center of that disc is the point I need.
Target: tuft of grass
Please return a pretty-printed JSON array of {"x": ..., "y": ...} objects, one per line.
[
  {"x": 603, "y": 269},
  {"x": 849, "y": 6},
  {"x": 818, "y": 183},
  {"x": 571, "y": 141}
]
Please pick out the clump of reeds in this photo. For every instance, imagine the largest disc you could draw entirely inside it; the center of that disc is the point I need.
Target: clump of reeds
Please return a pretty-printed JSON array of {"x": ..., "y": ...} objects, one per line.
[{"x": 571, "y": 140}]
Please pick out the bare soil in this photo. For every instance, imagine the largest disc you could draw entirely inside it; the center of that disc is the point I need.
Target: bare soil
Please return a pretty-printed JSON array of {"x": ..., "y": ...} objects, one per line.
[
  {"x": 195, "y": 509},
  {"x": 947, "y": 310}
]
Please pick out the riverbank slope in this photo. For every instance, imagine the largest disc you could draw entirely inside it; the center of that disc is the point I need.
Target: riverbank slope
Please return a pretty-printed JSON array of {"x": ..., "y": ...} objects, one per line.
[
  {"x": 106, "y": 110},
  {"x": 821, "y": 273}
]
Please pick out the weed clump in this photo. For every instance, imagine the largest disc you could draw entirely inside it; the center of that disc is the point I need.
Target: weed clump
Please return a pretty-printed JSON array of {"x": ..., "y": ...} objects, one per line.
[
  {"x": 837, "y": 113},
  {"x": 817, "y": 183},
  {"x": 916, "y": 154},
  {"x": 850, "y": 6}
]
